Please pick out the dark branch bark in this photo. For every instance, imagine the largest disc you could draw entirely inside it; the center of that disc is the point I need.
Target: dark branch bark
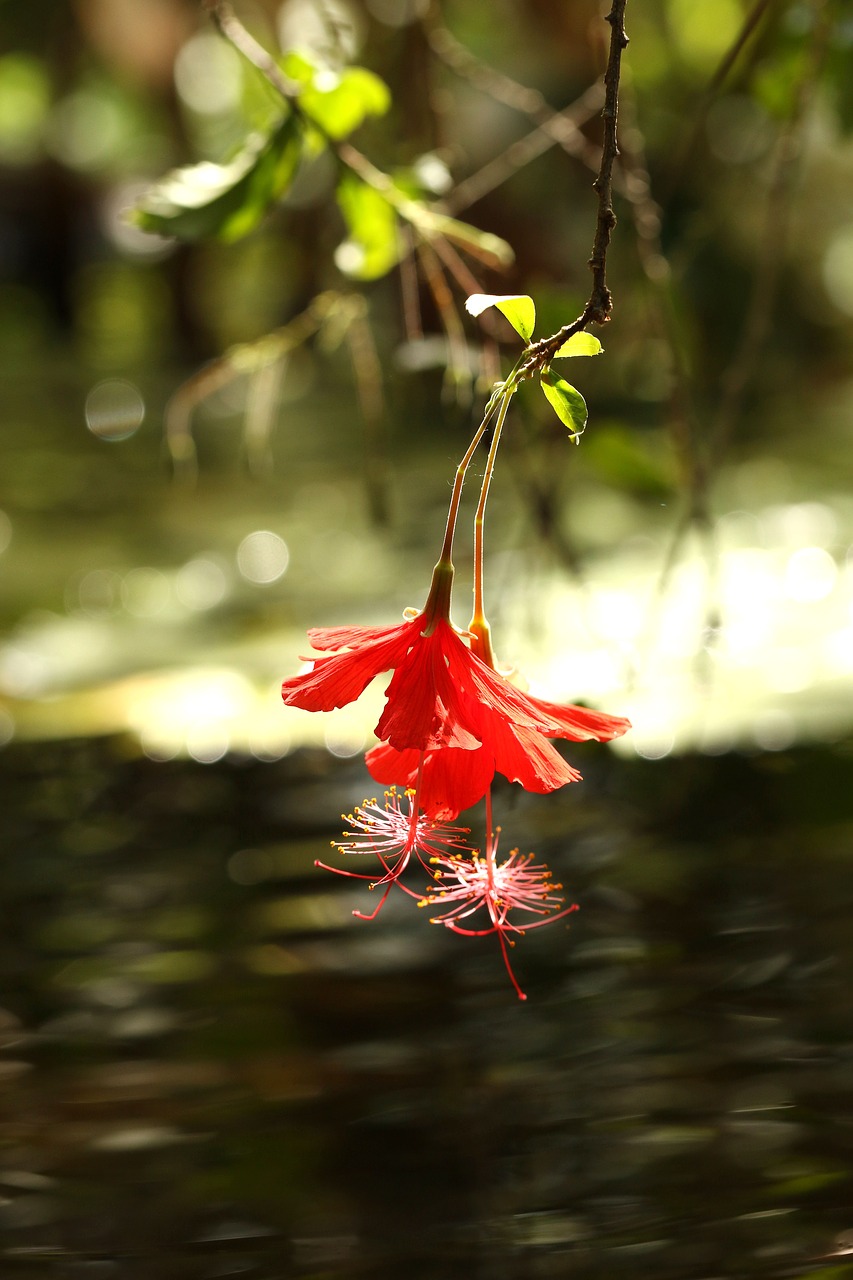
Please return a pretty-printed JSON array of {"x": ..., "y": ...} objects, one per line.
[{"x": 600, "y": 302}]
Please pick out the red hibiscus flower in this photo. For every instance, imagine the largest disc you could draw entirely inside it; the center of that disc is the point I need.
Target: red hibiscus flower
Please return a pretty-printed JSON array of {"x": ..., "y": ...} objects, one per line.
[{"x": 449, "y": 716}]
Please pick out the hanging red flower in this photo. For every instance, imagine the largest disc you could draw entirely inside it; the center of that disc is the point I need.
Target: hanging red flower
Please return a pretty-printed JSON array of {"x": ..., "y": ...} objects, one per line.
[{"x": 448, "y": 714}]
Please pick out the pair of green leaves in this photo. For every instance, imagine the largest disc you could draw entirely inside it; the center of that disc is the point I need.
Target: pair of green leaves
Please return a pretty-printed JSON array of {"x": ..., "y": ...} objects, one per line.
[{"x": 519, "y": 309}]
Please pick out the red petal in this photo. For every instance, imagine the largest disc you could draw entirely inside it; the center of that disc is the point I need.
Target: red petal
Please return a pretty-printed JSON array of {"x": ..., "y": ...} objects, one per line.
[
  {"x": 451, "y": 780},
  {"x": 357, "y": 637},
  {"x": 521, "y": 709},
  {"x": 527, "y": 757},
  {"x": 397, "y": 768},
  {"x": 454, "y": 780},
  {"x": 485, "y": 687},
  {"x": 424, "y": 703},
  {"x": 334, "y": 681},
  {"x": 580, "y": 723}
]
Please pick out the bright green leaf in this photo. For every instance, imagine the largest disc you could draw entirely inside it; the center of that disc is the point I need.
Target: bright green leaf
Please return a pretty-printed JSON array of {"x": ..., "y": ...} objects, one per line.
[
  {"x": 517, "y": 307},
  {"x": 298, "y": 67},
  {"x": 341, "y": 108},
  {"x": 566, "y": 401},
  {"x": 224, "y": 201},
  {"x": 372, "y": 248},
  {"x": 337, "y": 102},
  {"x": 580, "y": 344}
]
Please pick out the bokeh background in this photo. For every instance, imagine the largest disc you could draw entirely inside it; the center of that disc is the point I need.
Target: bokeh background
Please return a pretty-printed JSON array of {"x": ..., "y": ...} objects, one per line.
[{"x": 209, "y": 1068}]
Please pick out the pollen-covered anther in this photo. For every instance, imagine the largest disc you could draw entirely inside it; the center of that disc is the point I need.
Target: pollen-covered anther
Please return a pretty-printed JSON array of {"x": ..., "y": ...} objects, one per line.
[
  {"x": 481, "y": 883},
  {"x": 392, "y": 833}
]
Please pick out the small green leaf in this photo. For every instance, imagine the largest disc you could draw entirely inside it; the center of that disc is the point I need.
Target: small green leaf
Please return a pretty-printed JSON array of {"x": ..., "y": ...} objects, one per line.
[
  {"x": 372, "y": 247},
  {"x": 340, "y": 108},
  {"x": 566, "y": 401},
  {"x": 336, "y": 101},
  {"x": 298, "y": 67},
  {"x": 223, "y": 201},
  {"x": 517, "y": 307},
  {"x": 580, "y": 344}
]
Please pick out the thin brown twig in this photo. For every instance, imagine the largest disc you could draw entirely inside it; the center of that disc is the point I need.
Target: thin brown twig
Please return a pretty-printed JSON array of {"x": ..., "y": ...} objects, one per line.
[
  {"x": 457, "y": 346},
  {"x": 245, "y": 358},
  {"x": 488, "y": 79},
  {"x": 600, "y": 302},
  {"x": 367, "y": 370},
  {"x": 554, "y": 128},
  {"x": 490, "y": 365},
  {"x": 262, "y": 402},
  {"x": 459, "y": 269},
  {"x": 750, "y": 24},
  {"x": 228, "y": 25},
  {"x": 412, "y": 319}
]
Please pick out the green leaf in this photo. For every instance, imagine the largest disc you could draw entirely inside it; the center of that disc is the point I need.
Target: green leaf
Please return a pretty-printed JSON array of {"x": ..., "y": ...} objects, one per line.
[
  {"x": 372, "y": 248},
  {"x": 566, "y": 401},
  {"x": 342, "y": 109},
  {"x": 580, "y": 344},
  {"x": 224, "y": 201},
  {"x": 517, "y": 307},
  {"x": 338, "y": 102}
]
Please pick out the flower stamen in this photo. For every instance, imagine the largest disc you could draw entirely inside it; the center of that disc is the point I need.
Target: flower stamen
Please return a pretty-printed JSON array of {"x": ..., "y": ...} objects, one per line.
[
  {"x": 480, "y": 882},
  {"x": 392, "y": 832}
]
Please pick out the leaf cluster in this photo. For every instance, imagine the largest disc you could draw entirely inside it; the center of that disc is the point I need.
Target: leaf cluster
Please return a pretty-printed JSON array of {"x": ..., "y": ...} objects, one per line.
[{"x": 520, "y": 310}]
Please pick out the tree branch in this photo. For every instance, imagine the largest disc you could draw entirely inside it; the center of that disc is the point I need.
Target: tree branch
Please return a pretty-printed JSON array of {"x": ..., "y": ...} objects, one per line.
[{"x": 600, "y": 302}]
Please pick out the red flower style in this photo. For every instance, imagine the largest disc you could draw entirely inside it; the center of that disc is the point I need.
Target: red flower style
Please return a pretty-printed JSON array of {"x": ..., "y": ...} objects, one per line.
[
  {"x": 518, "y": 884},
  {"x": 450, "y": 721}
]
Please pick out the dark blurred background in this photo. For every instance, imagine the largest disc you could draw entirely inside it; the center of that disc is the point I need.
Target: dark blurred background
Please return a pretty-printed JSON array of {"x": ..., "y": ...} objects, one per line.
[{"x": 208, "y": 1067}]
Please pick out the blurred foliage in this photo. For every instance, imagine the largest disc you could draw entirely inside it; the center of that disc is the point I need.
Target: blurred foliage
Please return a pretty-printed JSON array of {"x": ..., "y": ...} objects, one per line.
[{"x": 97, "y": 100}]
